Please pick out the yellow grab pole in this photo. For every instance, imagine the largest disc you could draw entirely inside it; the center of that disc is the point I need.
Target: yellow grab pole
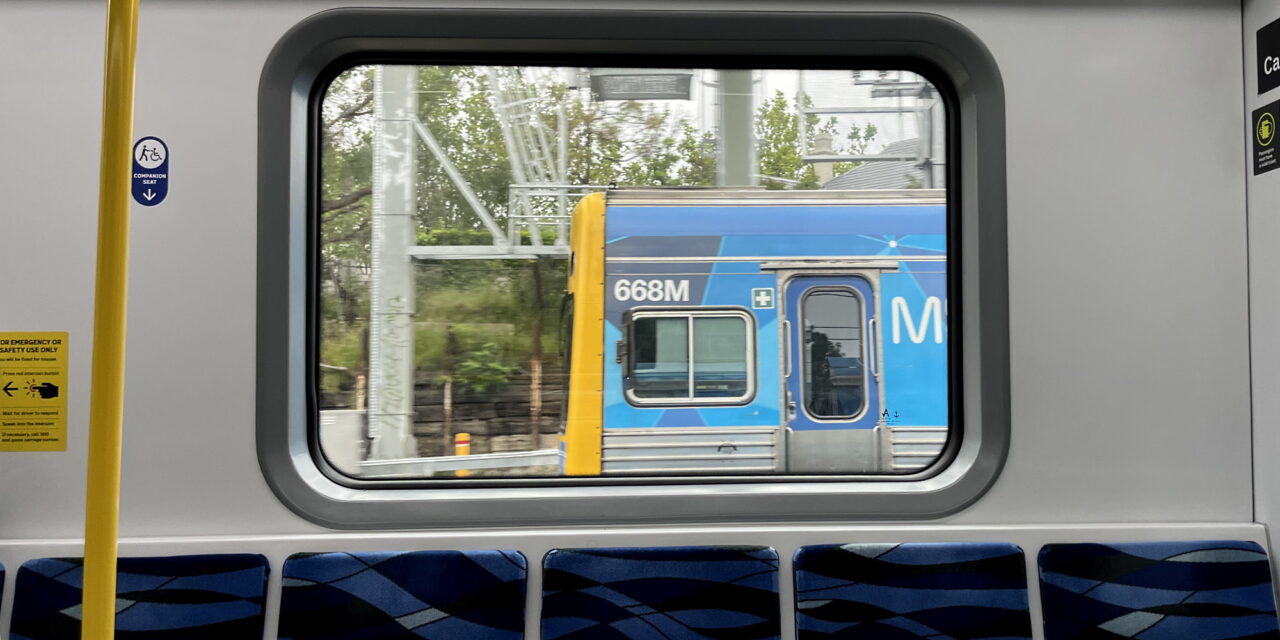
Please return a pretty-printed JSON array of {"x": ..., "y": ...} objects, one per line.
[{"x": 106, "y": 395}]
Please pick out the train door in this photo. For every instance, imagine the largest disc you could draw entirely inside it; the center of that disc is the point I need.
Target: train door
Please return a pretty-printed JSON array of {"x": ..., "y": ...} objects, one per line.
[{"x": 832, "y": 387}]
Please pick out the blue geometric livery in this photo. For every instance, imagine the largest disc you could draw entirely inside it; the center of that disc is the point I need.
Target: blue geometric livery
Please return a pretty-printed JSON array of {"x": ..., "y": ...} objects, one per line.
[
  {"x": 939, "y": 591},
  {"x": 676, "y": 593},
  {"x": 441, "y": 595},
  {"x": 213, "y": 597},
  {"x": 1202, "y": 590}
]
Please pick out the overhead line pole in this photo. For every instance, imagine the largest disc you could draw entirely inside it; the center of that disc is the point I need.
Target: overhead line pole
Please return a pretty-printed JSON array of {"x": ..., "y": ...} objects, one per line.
[
  {"x": 106, "y": 395},
  {"x": 737, "y": 162}
]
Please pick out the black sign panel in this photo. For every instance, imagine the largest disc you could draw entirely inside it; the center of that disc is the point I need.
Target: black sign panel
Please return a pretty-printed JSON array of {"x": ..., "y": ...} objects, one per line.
[
  {"x": 1263, "y": 131},
  {"x": 648, "y": 86},
  {"x": 1269, "y": 57}
]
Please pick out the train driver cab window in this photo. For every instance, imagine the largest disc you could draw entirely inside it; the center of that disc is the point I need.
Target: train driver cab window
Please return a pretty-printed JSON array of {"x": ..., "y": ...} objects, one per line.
[
  {"x": 689, "y": 358},
  {"x": 570, "y": 258}
]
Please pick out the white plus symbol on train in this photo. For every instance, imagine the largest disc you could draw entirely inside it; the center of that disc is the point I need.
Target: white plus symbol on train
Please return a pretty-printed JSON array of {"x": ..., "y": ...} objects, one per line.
[{"x": 762, "y": 298}]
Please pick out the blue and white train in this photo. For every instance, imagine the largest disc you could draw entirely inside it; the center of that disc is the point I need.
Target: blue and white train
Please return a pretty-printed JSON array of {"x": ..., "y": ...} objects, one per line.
[{"x": 759, "y": 331}]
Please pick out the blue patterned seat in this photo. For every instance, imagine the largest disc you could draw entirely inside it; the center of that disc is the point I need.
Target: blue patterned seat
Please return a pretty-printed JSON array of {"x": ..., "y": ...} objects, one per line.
[
  {"x": 1203, "y": 590},
  {"x": 442, "y": 595},
  {"x": 204, "y": 597},
  {"x": 940, "y": 591},
  {"x": 676, "y": 593}
]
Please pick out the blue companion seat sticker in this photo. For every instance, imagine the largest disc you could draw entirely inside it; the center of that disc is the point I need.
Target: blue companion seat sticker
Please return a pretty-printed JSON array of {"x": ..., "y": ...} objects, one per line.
[{"x": 150, "y": 171}]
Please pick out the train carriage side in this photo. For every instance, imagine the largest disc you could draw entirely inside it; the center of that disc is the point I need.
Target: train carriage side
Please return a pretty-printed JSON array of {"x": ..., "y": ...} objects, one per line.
[{"x": 749, "y": 331}]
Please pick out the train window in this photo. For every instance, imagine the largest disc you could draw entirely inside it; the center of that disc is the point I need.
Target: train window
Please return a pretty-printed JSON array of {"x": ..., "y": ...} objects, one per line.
[
  {"x": 660, "y": 367},
  {"x": 694, "y": 357},
  {"x": 453, "y": 198},
  {"x": 753, "y": 268},
  {"x": 833, "y": 357}
]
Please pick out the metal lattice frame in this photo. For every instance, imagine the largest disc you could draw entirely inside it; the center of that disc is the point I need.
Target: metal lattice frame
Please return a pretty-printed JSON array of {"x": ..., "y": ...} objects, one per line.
[
  {"x": 539, "y": 199},
  {"x": 929, "y": 157}
]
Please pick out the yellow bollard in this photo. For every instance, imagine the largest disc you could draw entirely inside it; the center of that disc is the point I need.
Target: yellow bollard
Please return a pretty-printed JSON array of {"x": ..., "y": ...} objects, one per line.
[{"x": 462, "y": 447}]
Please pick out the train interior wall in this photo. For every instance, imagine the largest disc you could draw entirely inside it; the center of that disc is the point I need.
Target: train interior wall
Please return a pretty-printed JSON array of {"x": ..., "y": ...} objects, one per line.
[
  {"x": 1263, "y": 205},
  {"x": 1141, "y": 308}
]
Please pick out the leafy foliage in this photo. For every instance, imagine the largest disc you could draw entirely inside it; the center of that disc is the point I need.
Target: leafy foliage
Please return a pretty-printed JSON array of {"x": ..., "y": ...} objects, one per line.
[
  {"x": 481, "y": 369},
  {"x": 474, "y": 318},
  {"x": 777, "y": 127}
]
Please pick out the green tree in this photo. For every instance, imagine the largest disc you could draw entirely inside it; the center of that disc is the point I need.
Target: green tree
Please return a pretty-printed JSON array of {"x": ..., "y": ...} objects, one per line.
[
  {"x": 698, "y": 152},
  {"x": 346, "y": 156},
  {"x": 858, "y": 139},
  {"x": 777, "y": 128}
]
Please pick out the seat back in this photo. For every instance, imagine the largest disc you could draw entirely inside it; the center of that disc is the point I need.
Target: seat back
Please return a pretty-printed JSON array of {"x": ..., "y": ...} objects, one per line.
[
  {"x": 198, "y": 597},
  {"x": 912, "y": 590},
  {"x": 660, "y": 593},
  {"x": 1206, "y": 590},
  {"x": 467, "y": 595}
]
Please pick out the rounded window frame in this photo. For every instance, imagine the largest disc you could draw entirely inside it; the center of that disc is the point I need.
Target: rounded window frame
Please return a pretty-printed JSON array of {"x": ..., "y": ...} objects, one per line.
[{"x": 299, "y": 69}]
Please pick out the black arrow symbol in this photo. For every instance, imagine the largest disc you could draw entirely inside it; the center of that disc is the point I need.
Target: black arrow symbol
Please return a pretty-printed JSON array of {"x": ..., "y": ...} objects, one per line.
[{"x": 9, "y": 389}]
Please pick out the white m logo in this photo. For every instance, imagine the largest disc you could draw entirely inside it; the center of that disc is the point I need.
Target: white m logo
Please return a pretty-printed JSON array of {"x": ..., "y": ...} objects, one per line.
[{"x": 902, "y": 313}]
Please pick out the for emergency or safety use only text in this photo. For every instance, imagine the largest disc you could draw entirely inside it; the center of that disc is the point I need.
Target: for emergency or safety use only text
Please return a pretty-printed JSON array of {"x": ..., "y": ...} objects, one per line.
[{"x": 33, "y": 391}]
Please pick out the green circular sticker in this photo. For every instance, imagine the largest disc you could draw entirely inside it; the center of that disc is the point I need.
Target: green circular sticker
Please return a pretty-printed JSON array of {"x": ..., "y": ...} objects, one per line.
[{"x": 1266, "y": 130}]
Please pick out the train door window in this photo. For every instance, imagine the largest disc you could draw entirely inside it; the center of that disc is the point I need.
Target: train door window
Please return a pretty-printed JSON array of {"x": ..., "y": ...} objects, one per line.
[
  {"x": 689, "y": 358},
  {"x": 833, "y": 358},
  {"x": 761, "y": 260}
]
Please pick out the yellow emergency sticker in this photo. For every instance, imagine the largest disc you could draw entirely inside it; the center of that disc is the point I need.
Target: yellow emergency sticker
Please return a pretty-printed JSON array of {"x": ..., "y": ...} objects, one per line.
[{"x": 33, "y": 391}]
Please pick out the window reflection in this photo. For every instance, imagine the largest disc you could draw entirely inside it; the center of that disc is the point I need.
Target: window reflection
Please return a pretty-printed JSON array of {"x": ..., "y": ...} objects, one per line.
[
  {"x": 662, "y": 357},
  {"x": 833, "y": 365},
  {"x": 719, "y": 357}
]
